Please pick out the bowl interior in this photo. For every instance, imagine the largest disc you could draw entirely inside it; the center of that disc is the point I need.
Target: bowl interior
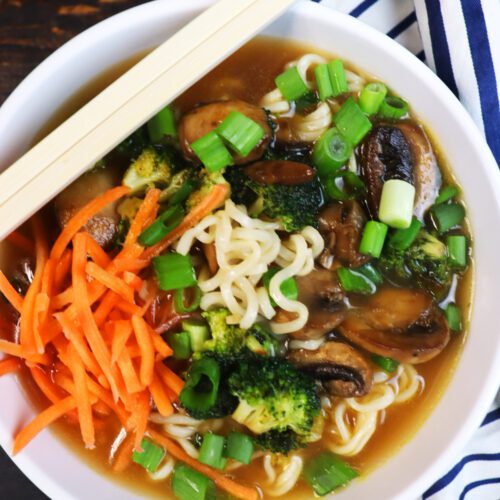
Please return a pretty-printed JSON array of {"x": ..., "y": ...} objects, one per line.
[{"x": 61, "y": 474}]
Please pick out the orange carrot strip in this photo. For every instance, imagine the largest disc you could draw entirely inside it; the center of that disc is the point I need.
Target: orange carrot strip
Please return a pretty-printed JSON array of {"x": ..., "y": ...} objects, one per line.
[
  {"x": 129, "y": 308},
  {"x": 170, "y": 379},
  {"x": 42, "y": 420},
  {"x": 108, "y": 303},
  {"x": 41, "y": 309},
  {"x": 62, "y": 269},
  {"x": 82, "y": 217},
  {"x": 97, "y": 254},
  {"x": 148, "y": 206},
  {"x": 213, "y": 200},
  {"x": 211, "y": 256},
  {"x": 123, "y": 457},
  {"x": 162, "y": 349},
  {"x": 84, "y": 312},
  {"x": 63, "y": 299},
  {"x": 145, "y": 342},
  {"x": 48, "y": 277},
  {"x": 130, "y": 264},
  {"x": 22, "y": 242},
  {"x": 110, "y": 281},
  {"x": 106, "y": 397},
  {"x": 18, "y": 351},
  {"x": 48, "y": 388},
  {"x": 50, "y": 330},
  {"x": 132, "y": 382},
  {"x": 223, "y": 482},
  {"x": 122, "y": 330},
  {"x": 10, "y": 293},
  {"x": 9, "y": 365},
  {"x": 133, "y": 280},
  {"x": 162, "y": 401},
  {"x": 143, "y": 409},
  {"x": 82, "y": 397}
]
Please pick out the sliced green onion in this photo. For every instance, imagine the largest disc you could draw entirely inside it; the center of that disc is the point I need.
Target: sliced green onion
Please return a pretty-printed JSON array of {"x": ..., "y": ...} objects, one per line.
[
  {"x": 150, "y": 457},
  {"x": 371, "y": 272},
  {"x": 396, "y": 203},
  {"x": 211, "y": 451},
  {"x": 212, "y": 152},
  {"x": 330, "y": 152},
  {"x": 202, "y": 385},
  {"x": 239, "y": 447},
  {"x": 454, "y": 317},
  {"x": 288, "y": 287},
  {"x": 337, "y": 77},
  {"x": 352, "y": 122},
  {"x": 174, "y": 271},
  {"x": 371, "y": 97},
  {"x": 447, "y": 216},
  {"x": 198, "y": 333},
  {"x": 355, "y": 282},
  {"x": 180, "y": 300},
  {"x": 163, "y": 225},
  {"x": 373, "y": 238},
  {"x": 240, "y": 132},
  {"x": 161, "y": 125},
  {"x": 323, "y": 82},
  {"x": 291, "y": 84},
  {"x": 446, "y": 194},
  {"x": 393, "y": 107},
  {"x": 182, "y": 194},
  {"x": 327, "y": 472},
  {"x": 180, "y": 344},
  {"x": 402, "y": 239},
  {"x": 352, "y": 187},
  {"x": 389, "y": 365},
  {"x": 189, "y": 484},
  {"x": 457, "y": 250}
]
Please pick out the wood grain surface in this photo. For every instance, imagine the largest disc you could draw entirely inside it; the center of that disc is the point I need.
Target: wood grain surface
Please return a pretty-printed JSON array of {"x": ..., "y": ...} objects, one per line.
[{"x": 30, "y": 30}]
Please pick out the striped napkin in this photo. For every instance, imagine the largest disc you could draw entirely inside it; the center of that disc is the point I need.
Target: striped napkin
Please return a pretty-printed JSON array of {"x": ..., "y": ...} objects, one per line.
[{"x": 460, "y": 41}]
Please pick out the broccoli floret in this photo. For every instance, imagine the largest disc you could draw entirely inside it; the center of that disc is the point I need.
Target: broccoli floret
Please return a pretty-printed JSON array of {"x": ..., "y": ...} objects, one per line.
[
  {"x": 274, "y": 396},
  {"x": 279, "y": 441},
  {"x": 150, "y": 168},
  {"x": 225, "y": 339},
  {"x": 179, "y": 181},
  {"x": 294, "y": 206},
  {"x": 260, "y": 341}
]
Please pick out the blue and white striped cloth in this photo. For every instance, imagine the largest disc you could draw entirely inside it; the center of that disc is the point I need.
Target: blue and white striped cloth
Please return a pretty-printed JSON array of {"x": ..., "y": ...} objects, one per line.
[{"x": 460, "y": 41}]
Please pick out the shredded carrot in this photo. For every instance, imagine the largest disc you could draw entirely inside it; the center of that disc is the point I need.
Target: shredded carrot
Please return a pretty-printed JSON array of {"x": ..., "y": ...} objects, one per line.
[
  {"x": 170, "y": 379},
  {"x": 18, "y": 351},
  {"x": 122, "y": 330},
  {"x": 129, "y": 264},
  {"x": 213, "y": 200},
  {"x": 82, "y": 217},
  {"x": 97, "y": 254},
  {"x": 108, "y": 303},
  {"x": 132, "y": 382},
  {"x": 123, "y": 457},
  {"x": 162, "y": 348},
  {"x": 211, "y": 256},
  {"x": 62, "y": 269},
  {"x": 40, "y": 311},
  {"x": 10, "y": 293},
  {"x": 145, "y": 342},
  {"x": 160, "y": 397},
  {"x": 48, "y": 388},
  {"x": 9, "y": 365},
  {"x": 133, "y": 280},
  {"x": 146, "y": 211},
  {"x": 42, "y": 420},
  {"x": 48, "y": 277},
  {"x": 110, "y": 281},
  {"x": 22, "y": 242},
  {"x": 223, "y": 482},
  {"x": 129, "y": 308},
  {"x": 142, "y": 410}
]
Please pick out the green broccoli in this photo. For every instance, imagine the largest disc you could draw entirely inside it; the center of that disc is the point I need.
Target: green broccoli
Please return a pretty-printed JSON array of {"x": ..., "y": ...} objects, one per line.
[
  {"x": 260, "y": 341},
  {"x": 150, "y": 168},
  {"x": 274, "y": 396},
  {"x": 279, "y": 441},
  {"x": 295, "y": 206},
  {"x": 180, "y": 187},
  {"x": 225, "y": 339},
  {"x": 206, "y": 183}
]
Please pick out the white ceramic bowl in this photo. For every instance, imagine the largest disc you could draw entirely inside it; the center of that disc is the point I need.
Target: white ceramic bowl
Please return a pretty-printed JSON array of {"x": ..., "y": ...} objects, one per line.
[{"x": 58, "y": 472}]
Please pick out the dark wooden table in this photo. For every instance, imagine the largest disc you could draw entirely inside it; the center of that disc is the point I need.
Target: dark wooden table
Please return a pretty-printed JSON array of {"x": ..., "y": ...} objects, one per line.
[{"x": 29, "y": 31}]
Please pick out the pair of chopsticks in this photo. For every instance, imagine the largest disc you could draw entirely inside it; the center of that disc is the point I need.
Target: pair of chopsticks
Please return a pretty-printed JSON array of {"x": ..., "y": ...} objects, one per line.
[{"x": 130, "y": 101}]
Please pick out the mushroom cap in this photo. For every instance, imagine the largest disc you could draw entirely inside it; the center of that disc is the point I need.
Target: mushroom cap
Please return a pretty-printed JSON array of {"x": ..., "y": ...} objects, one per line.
[
  {"x": 205, "y": 118},
  {"x": 289, "y": 173},
  {"x": 342, "y": 370},
  {"x": 400, "y": 323}
]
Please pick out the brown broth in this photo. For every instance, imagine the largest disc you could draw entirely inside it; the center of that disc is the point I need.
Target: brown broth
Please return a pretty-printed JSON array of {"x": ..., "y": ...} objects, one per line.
[{"x": 248, "y": 75}]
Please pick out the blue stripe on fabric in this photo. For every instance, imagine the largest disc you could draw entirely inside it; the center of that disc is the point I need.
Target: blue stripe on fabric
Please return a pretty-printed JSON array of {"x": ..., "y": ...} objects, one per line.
[
  {"x": 440, "y": 47},
  {"x": 485, "y": 72},
  {"x": 403, "y": 25},
  {"x": 362, "y": 7},
  {"x": 421, "y": 55},
  {"x": 491, "y": 417},
  {"x": 477, "y": 484},
  {"x": 453, "y": 473}
]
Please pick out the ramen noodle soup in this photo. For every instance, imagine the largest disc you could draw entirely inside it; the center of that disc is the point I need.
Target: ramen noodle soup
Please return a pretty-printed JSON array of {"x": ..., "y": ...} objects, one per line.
[{"x": 261, "y": 293}]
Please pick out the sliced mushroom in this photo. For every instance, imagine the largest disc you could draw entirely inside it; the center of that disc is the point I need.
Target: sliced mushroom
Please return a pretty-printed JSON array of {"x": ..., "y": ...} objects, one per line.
[
  {"x": 323, "y": 296},
  {"x": 341, "y": 225},
  {"x": 103, "y": 227},
  {"x": 343, "y": 370},
  {"x": 400, "y": 151},
  {"x": 203, "y": 119},
  {"x": 290, "y": 173},
  {"x": 400, "y": 323}
]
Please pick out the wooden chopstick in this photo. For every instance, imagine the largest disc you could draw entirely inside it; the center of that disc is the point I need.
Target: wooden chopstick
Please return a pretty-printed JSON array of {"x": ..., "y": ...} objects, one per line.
[{"x": 110, "y": 117}]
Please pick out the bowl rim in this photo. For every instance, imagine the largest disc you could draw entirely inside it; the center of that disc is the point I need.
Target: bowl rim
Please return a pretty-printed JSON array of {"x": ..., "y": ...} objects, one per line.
[{"x": 131, "y": 16}]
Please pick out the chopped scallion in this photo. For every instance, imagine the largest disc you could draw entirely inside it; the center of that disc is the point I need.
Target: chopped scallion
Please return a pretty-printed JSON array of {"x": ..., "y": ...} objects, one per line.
[
  {"x": 202, "y": 385},
  {"x": 446, "y": 194},
  {"x": 198, "y": 333},
  {"x": 174, "y": 271},
  {"x": 212, "y": 152},
  {"x": 457, "y": 250},
  {"x": 161, "y": 125},
  {"x": 163, "y": 225},
  {"x": 389, "y": 365},
  {"x": 288, "y": 287},
  {"x": 454, "y": 317},
  {"x": 371, "y": 272},
  {"x": 323, "y": 82},
  {"x": 352, "y": 186},
  {"x": 180, "y": 344},
  {"x": 352, "y": 122},
  {"x": 291, "y": 84},
  {"x": 337, "y": 77},
  {"x": 371, "y": 97},
  {"x": 402, "y": 239},
  {"x": 183, "y": 192},
  {"x": 150, "y": 457},
  {"x": 240, "y": 132},
  {"x": 180, "y": 299},
  {"x": 189, "y": 484},
  {"x": 355, "y": 282},
  {"x": 373, "y": 238},
  {"x": 211, "y": 451},
  {"x": 330, "y": 152},
  {"x": 447, "y": 216},
  {"x": 393, "y": 107},
  {"x": 396, "y": 203},
  {"x": 239, "y": 447}
]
